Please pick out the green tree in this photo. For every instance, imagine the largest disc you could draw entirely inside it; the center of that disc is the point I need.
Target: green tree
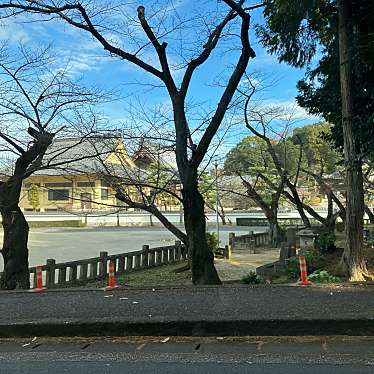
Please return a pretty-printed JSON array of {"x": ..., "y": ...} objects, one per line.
[{"x": 340, "y": 88}]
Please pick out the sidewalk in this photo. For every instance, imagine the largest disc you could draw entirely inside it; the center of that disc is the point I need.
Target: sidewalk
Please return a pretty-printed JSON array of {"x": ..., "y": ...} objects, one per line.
[
  {"x": 242, "y": 263},
  {"x": 191, "y": 311}
]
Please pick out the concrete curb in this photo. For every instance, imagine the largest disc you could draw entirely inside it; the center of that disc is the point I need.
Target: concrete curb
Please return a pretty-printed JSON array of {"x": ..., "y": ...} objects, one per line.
[{"x": 299, "y": 327}]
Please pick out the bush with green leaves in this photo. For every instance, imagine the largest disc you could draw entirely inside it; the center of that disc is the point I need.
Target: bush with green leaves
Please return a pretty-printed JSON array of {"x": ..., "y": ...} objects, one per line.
[
  {"x": 251, "y": 278},
  {"x": 340, "y": 226},
  {"x": 325, "y": 242},
  {"x": 323, "y": 276},
  {"x": 293, "y": 267},
  {"x": 213, "y": 243}
]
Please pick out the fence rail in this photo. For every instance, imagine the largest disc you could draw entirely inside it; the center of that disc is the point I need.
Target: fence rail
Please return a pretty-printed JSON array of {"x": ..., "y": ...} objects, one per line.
[
  {"x": 249, "y": 241},
  {"x": 95, "y": 268}
]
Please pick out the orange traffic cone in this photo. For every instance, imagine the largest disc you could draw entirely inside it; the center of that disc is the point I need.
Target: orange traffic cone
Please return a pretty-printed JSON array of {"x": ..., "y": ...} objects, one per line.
[
  {"x": 39, "y": 280},
  {"x": 304, "y": 281},
  {"x": 111, "y": 278}
]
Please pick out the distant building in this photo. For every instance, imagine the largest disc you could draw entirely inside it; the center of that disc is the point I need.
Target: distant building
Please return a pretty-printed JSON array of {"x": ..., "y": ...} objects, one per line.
[{"x": 72, "y": 177}]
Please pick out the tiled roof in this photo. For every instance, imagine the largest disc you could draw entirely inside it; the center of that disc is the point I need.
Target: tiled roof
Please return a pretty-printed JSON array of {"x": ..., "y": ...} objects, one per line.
[{"x": 77, "y": 155}]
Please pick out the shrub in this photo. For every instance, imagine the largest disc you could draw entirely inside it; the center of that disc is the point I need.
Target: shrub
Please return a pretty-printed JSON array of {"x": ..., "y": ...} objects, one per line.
[
  {"x": 251, "y": 278},
  {"x": 325, "y": 242},
  {"x": 340, "y": 226},
  {"x": 293, "y": 267},
  {"x": 213, "y": 243},
  {"x": 323, "y": 276}
]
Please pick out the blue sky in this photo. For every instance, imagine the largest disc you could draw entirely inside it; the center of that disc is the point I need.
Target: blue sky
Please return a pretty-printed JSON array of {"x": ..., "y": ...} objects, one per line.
[{"x": 88, "y": 62}]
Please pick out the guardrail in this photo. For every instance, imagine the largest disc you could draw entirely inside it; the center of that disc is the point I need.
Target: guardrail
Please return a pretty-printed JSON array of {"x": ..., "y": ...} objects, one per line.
[{"x": 62, "y": 274}]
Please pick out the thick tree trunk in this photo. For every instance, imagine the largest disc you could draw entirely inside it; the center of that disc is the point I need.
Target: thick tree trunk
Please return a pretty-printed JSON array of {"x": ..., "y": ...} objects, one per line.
[
  {"x": 353, "y": 259},
  {"x": 15, "y": 251},
  {"x": 202, "y": 258},
  {"x": 275, "y": 232}
]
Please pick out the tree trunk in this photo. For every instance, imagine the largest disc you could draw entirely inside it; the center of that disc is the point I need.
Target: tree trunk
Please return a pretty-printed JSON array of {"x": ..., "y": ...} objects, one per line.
[
  {"x": 299, "y": 204},
  {"x": 202, "y": 258},
  {"x": 353, "y": 259},
  {"x": 329, "y": 223},
  {"x": 275, "y": 233},
  {"x": 15, "y": 251}
]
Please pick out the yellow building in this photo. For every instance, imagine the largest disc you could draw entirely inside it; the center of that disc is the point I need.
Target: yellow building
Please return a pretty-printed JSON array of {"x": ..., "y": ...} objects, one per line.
[{"x": 73, "y": 177}]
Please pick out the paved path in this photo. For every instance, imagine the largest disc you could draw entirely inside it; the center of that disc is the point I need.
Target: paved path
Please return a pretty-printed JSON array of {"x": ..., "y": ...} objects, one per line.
[
  {"x": 242, "y": 262},
  {"x": 226, "y": 310}
]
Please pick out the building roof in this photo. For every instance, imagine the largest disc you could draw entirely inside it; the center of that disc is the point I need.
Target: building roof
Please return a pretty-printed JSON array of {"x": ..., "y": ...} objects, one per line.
[
  {"x": 83, "y": 155},
  {"x": 154, "y": 153}
]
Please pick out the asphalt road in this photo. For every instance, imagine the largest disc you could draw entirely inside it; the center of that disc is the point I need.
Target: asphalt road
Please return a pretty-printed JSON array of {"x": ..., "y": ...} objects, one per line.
[
  {"x": 175, "y": 368},
  {"x": 258, "y": 355},
  {"x": 69, "y": 244}
]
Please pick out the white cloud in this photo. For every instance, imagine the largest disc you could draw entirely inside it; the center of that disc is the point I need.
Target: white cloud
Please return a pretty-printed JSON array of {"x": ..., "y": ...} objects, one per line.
[
  {"x": 12, "y": 32},
  {"x": 288, "y": 109}
]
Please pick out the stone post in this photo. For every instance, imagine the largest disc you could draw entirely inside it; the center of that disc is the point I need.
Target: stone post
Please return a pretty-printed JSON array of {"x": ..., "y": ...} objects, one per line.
[
  {"x": 227, "y": 252},
  {"x": 284, "y": 252},
  {"x": 178, "y": 250},
  {"x": 231, "y": 240},
  {"x": 50, "y": 273},
  {"x": 145, "y": 260},
  {"x": 103, "y": 264}
]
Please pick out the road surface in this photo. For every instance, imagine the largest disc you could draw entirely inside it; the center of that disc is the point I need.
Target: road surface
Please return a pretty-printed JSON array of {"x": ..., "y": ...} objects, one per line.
[{"x": 258, "y": 355}]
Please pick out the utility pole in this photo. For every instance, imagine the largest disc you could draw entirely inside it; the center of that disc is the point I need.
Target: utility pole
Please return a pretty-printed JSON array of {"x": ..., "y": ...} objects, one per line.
[{"x": 217, "y": 200}]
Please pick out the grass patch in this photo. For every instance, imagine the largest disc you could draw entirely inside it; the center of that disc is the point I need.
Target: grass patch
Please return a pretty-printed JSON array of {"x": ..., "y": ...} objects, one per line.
[
  {"x": 154, "y": 277},
  {"x": 68, "y": 223},
  {"x": 159, "y": 276}
]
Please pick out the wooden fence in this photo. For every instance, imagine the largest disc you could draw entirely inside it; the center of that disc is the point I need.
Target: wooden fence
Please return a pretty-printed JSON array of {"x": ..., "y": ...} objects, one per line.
[
  {"x": 249, "y": 241},
  {"x": 62, "y": 274}
]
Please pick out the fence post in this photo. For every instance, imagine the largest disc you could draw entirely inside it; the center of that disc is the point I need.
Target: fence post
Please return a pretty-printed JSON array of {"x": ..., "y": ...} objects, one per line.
[
  {"x": 50, "y": 273},
  {"x": 83, "y": 271},
  {"x": 178, "y": 250},
  {"x": 103, "y": 264},
  {"x": 62, "y": 276},
  {"x": 231, "y": 240},
  {"x": 73, "y": 273},
  {"x": 227, "y": 252},
  {"x": 121, "y": 264},
  {"x": 137, "y": 259},
  {"x": 284, "y": 252},
  {"x": 145, "y": 256}
]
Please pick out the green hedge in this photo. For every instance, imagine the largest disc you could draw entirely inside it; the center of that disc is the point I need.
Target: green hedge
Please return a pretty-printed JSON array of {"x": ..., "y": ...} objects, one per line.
[{"x": 68, "y": 223}]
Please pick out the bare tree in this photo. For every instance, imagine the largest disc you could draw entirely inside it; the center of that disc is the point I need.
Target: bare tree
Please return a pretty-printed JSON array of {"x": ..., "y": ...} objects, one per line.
[
  {"x": 35, "y": 106},
  {"x": 259, "y": 121},
  {"x": 189, "y": 155}
]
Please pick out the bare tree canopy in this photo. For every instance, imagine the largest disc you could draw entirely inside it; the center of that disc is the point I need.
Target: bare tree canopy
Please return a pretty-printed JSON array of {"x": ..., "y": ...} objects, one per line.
[{"x": 36, "y": 106}]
